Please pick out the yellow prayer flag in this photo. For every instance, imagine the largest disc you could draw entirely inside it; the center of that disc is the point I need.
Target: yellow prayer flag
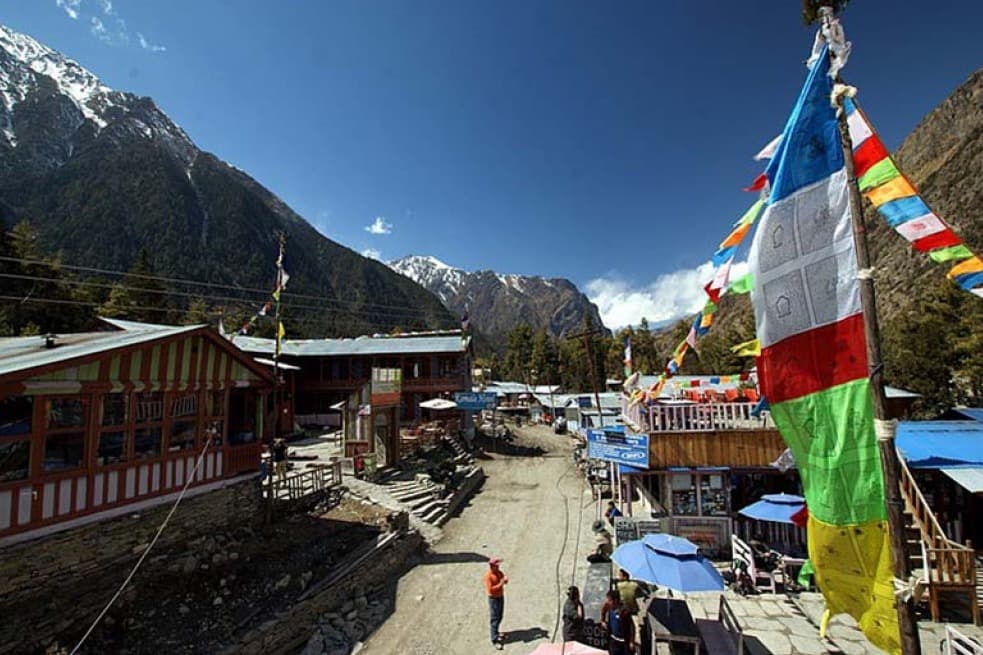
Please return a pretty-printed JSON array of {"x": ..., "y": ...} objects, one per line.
[
  {"x": 896, "y": 188},
  {"x": 750, "y": 348}
]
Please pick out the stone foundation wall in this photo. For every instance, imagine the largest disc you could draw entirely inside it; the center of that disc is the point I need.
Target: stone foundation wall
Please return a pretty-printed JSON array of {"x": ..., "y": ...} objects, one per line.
[
  {"x": 59, "y": 582},
  {"x": 287, "y": 632}
]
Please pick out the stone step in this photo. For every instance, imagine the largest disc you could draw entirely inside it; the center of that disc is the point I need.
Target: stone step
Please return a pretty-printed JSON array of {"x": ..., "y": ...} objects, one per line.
[
  {"x": 434, "y": 514},
  {"x": 411, "y": 494},
  {"x": 402, "y": 484}
]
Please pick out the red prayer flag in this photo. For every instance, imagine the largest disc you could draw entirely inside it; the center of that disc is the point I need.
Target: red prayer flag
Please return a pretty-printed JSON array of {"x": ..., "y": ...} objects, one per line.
[{"x": 758, "y": 184}]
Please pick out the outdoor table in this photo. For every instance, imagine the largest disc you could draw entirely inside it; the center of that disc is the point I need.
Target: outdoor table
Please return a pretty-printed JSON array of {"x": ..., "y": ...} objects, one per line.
[
  {"x": 670, "y": 620},
  {"x": 790, "y": 571}
]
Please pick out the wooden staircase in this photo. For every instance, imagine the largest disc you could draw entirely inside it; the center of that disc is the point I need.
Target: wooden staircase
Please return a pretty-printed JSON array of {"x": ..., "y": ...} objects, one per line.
[{"x": 941, "y": 566}]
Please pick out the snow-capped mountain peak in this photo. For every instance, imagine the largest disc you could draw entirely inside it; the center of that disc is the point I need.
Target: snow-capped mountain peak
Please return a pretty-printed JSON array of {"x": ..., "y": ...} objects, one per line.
[{"x": 91, "y": 96}]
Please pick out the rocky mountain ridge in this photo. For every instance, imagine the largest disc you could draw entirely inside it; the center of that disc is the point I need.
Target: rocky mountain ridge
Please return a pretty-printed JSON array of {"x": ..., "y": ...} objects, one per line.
[{"x": 496, "y": 303}]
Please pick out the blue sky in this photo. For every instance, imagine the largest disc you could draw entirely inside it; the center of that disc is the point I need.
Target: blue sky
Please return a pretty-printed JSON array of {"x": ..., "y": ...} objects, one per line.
[{"x": 602, "y": 142}]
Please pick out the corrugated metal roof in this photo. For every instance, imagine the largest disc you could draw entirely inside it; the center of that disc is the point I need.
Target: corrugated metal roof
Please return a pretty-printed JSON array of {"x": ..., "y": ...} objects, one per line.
[
  {"x": 380, "y": 345},
  {"x": 972, "y": 413},
  {"x": 24, "y": 353},
  {"x": 935, "y": 444},
  {"x": 969, "y": 478},
  {"x": 137, "y": 325}
]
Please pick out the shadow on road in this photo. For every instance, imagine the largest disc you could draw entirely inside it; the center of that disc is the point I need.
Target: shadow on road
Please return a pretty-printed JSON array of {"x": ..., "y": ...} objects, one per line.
[
  {"x": 525, "y": 635},
  {"x": 454, "y": 558},
  {"x": 753, "y": 646}
]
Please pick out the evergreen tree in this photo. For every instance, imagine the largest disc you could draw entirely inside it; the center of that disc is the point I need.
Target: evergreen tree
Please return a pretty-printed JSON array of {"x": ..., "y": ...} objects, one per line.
[
  {"x": 197, "y": 313},
  {"x": 518, "y": 353}
]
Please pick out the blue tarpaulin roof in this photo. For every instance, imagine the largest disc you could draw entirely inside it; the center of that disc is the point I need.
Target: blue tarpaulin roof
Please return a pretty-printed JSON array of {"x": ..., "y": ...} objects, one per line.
[
  {"x": 974, "y": 413},
  {"x": 937, "y": 444}
]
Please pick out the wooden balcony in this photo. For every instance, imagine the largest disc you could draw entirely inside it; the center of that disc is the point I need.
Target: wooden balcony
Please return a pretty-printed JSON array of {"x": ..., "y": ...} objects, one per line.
[
  {"x": 695, "y": 417},
  {"x": 434, "y": 384}
]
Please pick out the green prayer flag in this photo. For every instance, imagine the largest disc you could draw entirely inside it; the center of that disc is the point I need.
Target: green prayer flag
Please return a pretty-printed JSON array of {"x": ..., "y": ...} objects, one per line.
[
  {"x": 950, "y": 253},
  {"x": 751, "y": 215},
  {"x": 742, "y": 284},
  {"x": 878, "y": 174}
]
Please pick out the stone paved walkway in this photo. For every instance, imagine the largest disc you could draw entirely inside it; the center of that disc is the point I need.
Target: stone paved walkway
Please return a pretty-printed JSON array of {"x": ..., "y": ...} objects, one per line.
[{"x": 782, "y": 624}]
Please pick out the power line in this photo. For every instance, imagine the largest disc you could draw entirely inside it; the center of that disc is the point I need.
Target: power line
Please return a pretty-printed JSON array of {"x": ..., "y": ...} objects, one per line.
[
  {"x": 188, "y": 281},
  {"x": 393, "y": 311}
]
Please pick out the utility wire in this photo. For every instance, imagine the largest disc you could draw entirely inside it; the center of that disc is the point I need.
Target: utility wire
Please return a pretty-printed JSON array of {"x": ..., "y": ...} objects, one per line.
[
  {"x": 393, "y": 312},
  {"x": 188, "y": 281},
  {"x": 146, "y": 551}
]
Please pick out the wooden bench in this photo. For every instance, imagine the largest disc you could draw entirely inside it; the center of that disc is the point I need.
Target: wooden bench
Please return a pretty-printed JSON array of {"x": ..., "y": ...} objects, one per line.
[{"x": 723, "y": 635}]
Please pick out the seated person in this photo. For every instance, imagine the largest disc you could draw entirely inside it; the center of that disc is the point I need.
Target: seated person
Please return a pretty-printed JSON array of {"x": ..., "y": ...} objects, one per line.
[
  {"x": 612, "y": 512},
  {"x": 764, "y": 557},
  {"x": 602, "y": 544}
]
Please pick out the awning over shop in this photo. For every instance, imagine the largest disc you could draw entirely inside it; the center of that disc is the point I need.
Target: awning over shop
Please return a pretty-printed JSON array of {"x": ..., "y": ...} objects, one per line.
[
  {"x": 937, "y": 444},
  {"x": 969, "y": 478},
  {"x": 625, "y": 469}
]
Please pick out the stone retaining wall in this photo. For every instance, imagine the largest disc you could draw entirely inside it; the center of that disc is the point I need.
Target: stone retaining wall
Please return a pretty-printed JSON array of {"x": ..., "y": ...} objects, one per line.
[
  {"x": 287, "y": 632},
  {"x": 59, "y": 582}
]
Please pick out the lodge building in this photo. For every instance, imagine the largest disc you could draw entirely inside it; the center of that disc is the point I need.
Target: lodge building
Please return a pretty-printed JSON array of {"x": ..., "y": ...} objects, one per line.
[{"x": 91, "y": 423}]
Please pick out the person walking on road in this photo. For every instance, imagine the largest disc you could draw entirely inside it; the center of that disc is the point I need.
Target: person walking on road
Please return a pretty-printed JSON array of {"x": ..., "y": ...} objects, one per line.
[
  {"x": 495, "y": 581},
  {"x": 573, "y": 616}
]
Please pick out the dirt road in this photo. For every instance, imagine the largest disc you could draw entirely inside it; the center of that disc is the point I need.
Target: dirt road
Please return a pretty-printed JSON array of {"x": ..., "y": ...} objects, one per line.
[{"x": 535, "y": 512}]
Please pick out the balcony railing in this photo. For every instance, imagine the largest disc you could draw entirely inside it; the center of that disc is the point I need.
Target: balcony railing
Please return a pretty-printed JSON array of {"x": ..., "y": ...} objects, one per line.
[{"x": 695, "y": 417}]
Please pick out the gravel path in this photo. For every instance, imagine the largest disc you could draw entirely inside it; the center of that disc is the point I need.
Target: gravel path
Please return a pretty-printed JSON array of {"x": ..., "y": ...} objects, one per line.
[{"x": 530, "y": 511}]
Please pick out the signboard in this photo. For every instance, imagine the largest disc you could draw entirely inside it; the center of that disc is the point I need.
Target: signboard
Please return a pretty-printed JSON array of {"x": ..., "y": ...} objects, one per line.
[
  {"x": 628, "y": 528},
  {"x": 710, "y": 534},
  {"x": 592, "y": 594},
  {"x": 619, "y": 447},
  {"x": 584, "y": 402},
  {"x": 353, "y": 448},
  {"x": 475, "y": 400}
]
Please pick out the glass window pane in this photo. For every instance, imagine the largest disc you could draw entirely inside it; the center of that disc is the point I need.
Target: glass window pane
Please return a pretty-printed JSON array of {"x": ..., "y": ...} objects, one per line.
[
  {"x": 184, "y": 405},
  {"x": 182, "y": 436},
  {"x": 149, "y": 407},
  {"x": 146, "y": 443},
  {"x": 64, "y": 451},
  {"x": 112, "y": 448},
  {"x": 15, "y": 460},
  {"x": 66, "y": 412},
  {"x": 15, "y": 415},
  {"x": 114, "y": 409}
]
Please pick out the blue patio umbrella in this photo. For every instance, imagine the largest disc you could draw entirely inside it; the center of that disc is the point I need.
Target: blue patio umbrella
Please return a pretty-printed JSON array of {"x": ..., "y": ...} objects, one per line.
[
  {"x": 668, "y": 561},
  {"x": 777, "y": 508}
]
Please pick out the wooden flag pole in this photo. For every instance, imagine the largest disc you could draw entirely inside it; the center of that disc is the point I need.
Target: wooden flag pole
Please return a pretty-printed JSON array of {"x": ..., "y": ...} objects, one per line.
[{"x": 910, "y": 643}]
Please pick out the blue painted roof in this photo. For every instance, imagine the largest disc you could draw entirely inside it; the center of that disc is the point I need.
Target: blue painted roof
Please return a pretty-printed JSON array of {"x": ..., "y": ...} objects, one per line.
[{"x": 934, "y": 444}]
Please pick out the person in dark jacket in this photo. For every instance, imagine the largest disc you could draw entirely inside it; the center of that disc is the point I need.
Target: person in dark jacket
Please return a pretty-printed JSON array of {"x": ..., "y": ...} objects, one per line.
[
  {"x": 573, "y": 616},
  {"x": 617, "y": 622}
]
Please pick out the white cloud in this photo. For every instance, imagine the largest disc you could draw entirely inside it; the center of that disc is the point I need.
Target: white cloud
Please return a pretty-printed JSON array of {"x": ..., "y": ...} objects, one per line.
[
  {"x": 670, "y": 296},
  {"x": 105, "y": 23},
  {"x": 379, "y": 226},
  {"x": 71, "y": 7},
  {"x": 372, "y": 253},
  {"x": 99, "y": 30},
  {"x": 147, "y": 45}
]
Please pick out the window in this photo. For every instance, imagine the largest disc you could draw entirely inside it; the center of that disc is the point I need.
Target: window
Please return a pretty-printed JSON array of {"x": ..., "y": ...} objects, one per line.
[
  {"x": 64, "y": 450},
  {"x": 114, "y": 409},
  {"x": 185, "y": 404},
  {"x": 146, "y": 442},
  {"x": 15, "y": 460},
  {"x": 64, "y": 434},
  {"x": 149, "y": 407},
  {"x": 683, "y": 494},
  {"x": 112, "y": 448},
  {"x": 66, "y": 412},
  {"x": 113, "y": 419},
  {"x": 713, "y": 497},
  {"x": 16, "y": 413},
  {"x": 182, "y": 436}
]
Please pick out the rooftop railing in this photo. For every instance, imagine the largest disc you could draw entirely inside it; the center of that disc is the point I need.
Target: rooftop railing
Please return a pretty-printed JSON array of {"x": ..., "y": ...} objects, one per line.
[{"x": 695, "y": 417}]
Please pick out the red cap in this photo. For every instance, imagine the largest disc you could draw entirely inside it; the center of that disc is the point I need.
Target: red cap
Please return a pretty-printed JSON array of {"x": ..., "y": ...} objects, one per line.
[{"x": 494, "y": 561}]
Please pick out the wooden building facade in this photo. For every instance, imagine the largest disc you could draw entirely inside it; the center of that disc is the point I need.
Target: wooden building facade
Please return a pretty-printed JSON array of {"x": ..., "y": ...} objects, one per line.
[{"x": 90, "y": 423}]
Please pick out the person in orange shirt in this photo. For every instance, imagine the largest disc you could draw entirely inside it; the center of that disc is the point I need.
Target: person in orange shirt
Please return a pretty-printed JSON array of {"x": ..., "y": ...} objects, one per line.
[{"x": 495, "y": 581}]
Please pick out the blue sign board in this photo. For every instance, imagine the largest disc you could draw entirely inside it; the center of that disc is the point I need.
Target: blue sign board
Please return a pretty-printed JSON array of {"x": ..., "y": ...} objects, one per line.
[
  {"x": 584, "y": 402},
  {"x": 475, "y": 400},
  {"x": 614, "y": 445}
]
